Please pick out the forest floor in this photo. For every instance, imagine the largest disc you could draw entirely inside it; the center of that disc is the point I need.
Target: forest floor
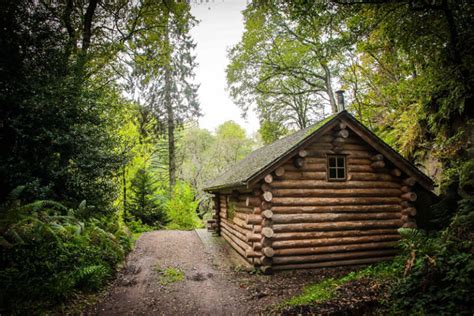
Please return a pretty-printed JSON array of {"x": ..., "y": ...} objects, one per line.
[{"x": 179, "y": 273}]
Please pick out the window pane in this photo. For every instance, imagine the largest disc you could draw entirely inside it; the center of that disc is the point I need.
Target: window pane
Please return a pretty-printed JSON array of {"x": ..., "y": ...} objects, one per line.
[
  {"x": 340, "y": 161},
  {"x": 340, "y": 173},
  {"x": 332, "y": 162},
  {"x": 332, "y": 173}
]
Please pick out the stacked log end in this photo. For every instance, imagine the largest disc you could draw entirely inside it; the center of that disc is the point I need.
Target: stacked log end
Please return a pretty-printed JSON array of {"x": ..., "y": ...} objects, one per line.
[
  {"x": 408, "y": 196},
  {"x": 267, "y": 233}
]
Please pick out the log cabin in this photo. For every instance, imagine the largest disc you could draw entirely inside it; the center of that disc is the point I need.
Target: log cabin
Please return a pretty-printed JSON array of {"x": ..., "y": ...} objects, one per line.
[{"x": 332, "y": 194}]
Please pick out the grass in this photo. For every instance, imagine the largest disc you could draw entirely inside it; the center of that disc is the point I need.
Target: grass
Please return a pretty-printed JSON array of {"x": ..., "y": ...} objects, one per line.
[
  {"x": 169, "y": 276},
  {"x": 326, "y": 289}
]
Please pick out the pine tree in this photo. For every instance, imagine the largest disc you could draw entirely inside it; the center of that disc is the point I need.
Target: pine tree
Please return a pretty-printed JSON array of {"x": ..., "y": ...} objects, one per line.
[
  {"x": 163, "y": 71},
  {"x": 144, "y": 201}
]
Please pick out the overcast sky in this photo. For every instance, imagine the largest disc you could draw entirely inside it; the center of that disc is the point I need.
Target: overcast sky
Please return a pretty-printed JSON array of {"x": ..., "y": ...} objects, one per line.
[{"x": 221, "y": 26}]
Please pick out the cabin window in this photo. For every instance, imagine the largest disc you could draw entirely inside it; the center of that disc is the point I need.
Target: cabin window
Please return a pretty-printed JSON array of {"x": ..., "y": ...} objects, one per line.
[{"x": 336, "y": 168}]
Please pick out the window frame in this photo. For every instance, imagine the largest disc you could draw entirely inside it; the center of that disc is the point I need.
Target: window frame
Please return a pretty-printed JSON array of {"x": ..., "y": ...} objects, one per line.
[{"x": 328, "y": 167}]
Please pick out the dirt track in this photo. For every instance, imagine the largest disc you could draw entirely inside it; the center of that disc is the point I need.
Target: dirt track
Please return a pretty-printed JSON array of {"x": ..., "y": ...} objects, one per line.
[
  {"x": 211, "y": 285},
  {"x": 205, "y": 290}
]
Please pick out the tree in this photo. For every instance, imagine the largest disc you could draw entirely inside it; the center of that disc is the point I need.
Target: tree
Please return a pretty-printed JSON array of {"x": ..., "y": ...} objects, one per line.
[
  {"x": 163, "y": 70},
  {"x": 144, "y": 200},
  {"x": 283, "y": 67}
]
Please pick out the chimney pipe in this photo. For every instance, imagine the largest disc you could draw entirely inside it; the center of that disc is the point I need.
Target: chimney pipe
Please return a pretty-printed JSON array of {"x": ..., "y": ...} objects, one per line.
[{"x": 340, "y": 100}]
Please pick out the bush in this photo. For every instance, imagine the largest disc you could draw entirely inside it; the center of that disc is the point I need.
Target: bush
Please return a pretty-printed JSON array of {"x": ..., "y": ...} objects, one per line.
[
  {"x": 181, "y": 208},
  {"x": 48, "y": 255},
  {"x": 439, "y": 269}
]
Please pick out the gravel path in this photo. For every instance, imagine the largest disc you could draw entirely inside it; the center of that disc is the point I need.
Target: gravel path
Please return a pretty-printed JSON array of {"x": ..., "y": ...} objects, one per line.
[
  {"x": 207, "y": 288},
  {"x": 212, "y": 284}
]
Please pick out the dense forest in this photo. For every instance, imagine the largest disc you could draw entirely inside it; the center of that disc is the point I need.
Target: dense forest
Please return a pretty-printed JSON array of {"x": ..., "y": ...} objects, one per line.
[{"x": 100, "y": 139}]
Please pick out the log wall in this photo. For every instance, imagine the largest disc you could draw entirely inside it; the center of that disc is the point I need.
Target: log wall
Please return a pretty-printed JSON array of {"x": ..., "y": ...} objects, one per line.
[{"x": 296, "y": 218}]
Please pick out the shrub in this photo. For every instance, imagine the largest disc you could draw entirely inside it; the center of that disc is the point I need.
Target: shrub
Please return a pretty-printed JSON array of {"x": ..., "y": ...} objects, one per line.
[
  {"x": 48, "y": 255},
  {"x": 181, "y": 208}
]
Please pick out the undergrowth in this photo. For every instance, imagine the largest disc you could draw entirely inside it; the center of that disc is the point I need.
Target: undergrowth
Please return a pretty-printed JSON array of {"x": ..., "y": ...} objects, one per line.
[
  {"x": 326, "y": 289},
  {"x": 169, "y": 275},
  {"x": 50, "y": 254}
]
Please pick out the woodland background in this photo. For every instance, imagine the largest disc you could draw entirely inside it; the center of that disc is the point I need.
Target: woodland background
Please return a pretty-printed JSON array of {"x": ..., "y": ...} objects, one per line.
[{"x": 100, "y": 142}]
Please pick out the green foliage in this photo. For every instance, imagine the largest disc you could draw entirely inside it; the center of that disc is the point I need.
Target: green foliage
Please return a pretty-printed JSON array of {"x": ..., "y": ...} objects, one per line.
[
  {"x": 326, "y": 289},
  {"x": 181, "y": 208},
  {"x": 48, "y": 254},
  {"x": 169, "y": 275},
  {"x": 439, "y": 268},
  {"x": 271, "y": 131},
  {"x": 144, "y": 203}
]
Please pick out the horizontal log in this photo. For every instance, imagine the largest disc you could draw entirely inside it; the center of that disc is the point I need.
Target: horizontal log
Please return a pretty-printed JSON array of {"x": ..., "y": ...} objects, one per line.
[
  {"x": 358, "y": 147},
  {"x": 331, "y": 234},
  {"x": 360, "y": 168},
  {"x": 252, "y": 237},
  {"x": 409, "y": 196},
  {"x": 281, "y": 228},
  {"x": 309, "y": 251},
  {"x": 297, "y": 175},
  {"x": 253, "y": 219},
  {"x": 250, "y": 253},
  {"x": 308, "y": 167},
  {"x": 378, "y": 164},
  {"x": 330, "y": 217},
  {"x": 367, "y": 176},
  {"x": 242, "y": 235},
  {"x": 335, "y": 256},
  {"x": 240, "y": 224},
  {"x": 306, "y": 184},
  {"x": 252, "y": 201},
  {"x": 335, "y": 263},
  {"x": 257, "y": 229},
  {"x": 301, "y": 243},
  {"x": 336, "y": 192},
  {"x": 332, "y": 201},
  {"x": 257, "y": 246},
  {"x": 280, "y": 171},
  {"x": 236, "y": 247},
  {"x": 358, "y": 161}
]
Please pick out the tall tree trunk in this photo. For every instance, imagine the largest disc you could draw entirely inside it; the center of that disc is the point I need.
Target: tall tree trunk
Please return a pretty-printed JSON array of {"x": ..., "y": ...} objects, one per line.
[
  {"x": 171, "y": 127},
  {"x": 330, "y": 93}
]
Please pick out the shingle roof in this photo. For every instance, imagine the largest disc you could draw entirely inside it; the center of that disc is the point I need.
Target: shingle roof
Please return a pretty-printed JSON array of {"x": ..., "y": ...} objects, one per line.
[
  {"x": 264, "y": 159},
  {"x": 243, "y": 170}
]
